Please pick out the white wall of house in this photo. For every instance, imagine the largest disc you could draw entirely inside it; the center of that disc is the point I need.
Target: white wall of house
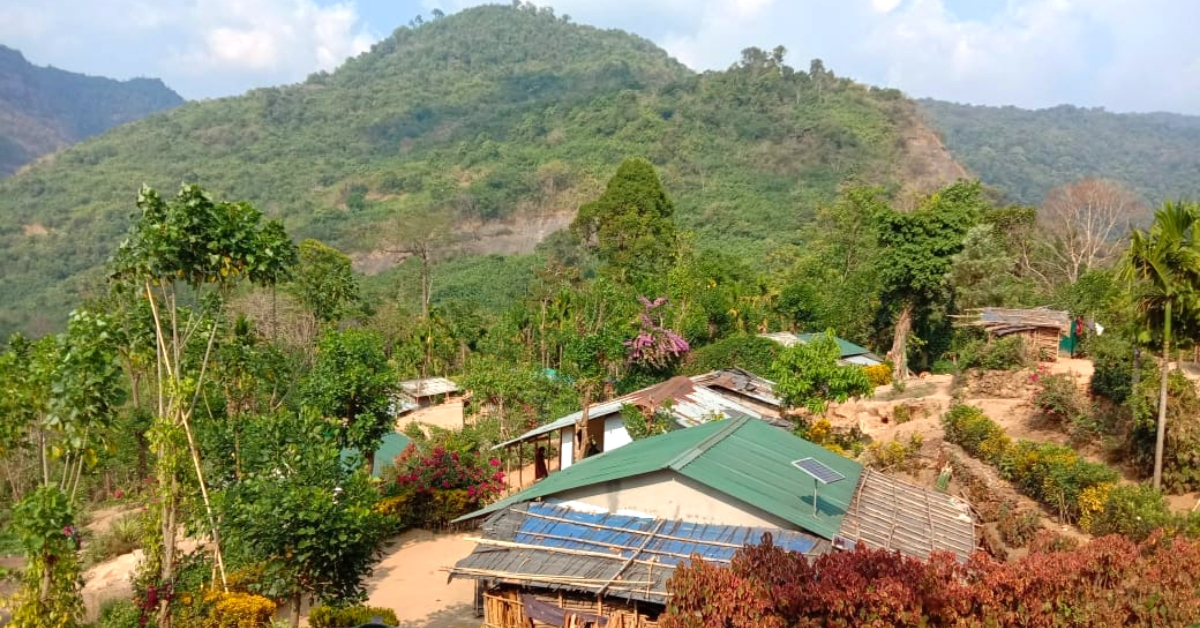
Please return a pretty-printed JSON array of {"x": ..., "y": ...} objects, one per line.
[
  {"x": 668, "y": 495},
  {"x": 566, "y": 448},
  {"x": 615, "y": 434}
]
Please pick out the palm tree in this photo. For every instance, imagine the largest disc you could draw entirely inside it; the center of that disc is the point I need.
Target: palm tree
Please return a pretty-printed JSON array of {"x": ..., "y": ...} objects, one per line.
[{"x": 1164, "y": 262}]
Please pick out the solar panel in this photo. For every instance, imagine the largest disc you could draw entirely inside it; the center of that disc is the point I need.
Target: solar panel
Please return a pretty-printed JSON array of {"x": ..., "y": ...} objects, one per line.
[{"x": 818, "y": 470}]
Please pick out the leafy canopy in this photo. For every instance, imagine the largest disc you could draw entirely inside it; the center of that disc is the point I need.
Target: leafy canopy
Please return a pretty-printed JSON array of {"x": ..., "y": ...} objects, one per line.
[
  {"x": 807, "y": 375},
  {"x": 352, "y": 386}
]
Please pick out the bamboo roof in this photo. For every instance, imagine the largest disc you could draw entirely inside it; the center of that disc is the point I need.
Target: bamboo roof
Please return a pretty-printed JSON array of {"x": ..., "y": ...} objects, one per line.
[{"x": 887, "y": 513}]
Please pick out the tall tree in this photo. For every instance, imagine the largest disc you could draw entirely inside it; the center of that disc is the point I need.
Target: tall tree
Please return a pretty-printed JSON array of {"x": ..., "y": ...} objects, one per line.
[
  {"x": 191, "y": 248},
  {"x": 631, "y": 225},
  {"x": 918, "y": 248},
  {"x": 352, "y": 387},
  {"x": 324, "y": 281},
  {"x": 1082, "y": 222},
  {"x": 1162, "y": 266},
  {"x": 426, "y": 236},
  {"x": 981, "y": 273}
]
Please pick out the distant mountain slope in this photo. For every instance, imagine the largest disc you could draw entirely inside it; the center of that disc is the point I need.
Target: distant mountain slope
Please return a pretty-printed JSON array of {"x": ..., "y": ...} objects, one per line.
[
  {"x": 1026, "y": 153},
  {"x": 495, "y": 116},
  {"x": 45, "y": 109}
]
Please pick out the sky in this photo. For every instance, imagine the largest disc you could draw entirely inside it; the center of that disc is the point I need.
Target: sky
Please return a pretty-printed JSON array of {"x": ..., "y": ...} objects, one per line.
[{"x": 1123, "y": 55}]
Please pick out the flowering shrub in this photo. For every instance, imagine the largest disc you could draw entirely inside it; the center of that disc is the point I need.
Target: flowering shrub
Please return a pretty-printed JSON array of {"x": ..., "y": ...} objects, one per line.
[
  {"x": 241, "y": 610},
  {"x": 654, "y": 345},
  {"x": 443, "y": 485},
  {"x": 879, "y": 374}
]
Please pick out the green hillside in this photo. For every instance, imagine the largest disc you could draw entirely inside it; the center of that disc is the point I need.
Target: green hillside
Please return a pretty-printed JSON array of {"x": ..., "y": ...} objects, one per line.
[
  {"x": 45, "y": 109},
  {"x": 1027, "y": 153},
  {"x": 491, "y": 114}
]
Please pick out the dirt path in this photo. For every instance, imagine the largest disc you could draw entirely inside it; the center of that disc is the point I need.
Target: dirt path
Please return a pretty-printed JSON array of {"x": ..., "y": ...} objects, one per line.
[{"x": 411, "y": 581}]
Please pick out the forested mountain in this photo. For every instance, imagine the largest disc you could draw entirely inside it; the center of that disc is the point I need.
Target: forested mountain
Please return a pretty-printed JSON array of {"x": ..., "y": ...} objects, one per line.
[
  {"x": 1026, "y": 153},
  {"x": 492, "y": 114},
  {"x": 45, "y": 109}
]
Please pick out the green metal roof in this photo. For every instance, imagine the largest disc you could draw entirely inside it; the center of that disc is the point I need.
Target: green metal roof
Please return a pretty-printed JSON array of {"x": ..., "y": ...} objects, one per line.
[
  {"x": 743, "y": 458},
  {"x": 848, "y": 349},
  {"x": 392, "y": 445}
]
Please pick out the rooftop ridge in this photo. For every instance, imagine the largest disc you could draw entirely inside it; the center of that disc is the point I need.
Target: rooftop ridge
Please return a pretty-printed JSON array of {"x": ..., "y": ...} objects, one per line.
[{"x": 684, "y": 459}]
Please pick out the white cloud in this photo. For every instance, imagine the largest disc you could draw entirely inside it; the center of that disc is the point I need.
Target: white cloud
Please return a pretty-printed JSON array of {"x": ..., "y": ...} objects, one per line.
[{"x": 199, "y": 47}]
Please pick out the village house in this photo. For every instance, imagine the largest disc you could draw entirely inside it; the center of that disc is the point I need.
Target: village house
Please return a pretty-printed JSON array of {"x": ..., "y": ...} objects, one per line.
[
  {"x": 738, "y": 477},
  {"x": 430, "y": 401},
  {"x": 850, "y": 352},
  {"x": 1042, "y": 330},
  {"x": 688, "y": 401}
]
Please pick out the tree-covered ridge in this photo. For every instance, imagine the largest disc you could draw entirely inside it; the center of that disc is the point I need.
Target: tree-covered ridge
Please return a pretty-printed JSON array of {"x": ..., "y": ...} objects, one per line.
[
  {"x": 43, "y": 109},
  {"x": 491, "y": 113},
  {"x": 1027, "y": 153}
]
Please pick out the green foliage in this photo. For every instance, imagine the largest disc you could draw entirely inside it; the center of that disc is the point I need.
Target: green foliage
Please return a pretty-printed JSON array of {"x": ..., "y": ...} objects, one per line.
[
  {"x": 1181, "y": 452},
  {"x": 310, "y": 522},
  {"x": 807, "y": 375},
  {"x": 351, "y": 386},
  {"x": 745, "y": 351},
  {"x": 1052, "y": 474},
  {"x": 443, "y": 484},
  {"x": 1112, "y": 357},
  {"x": 1058, "y": 398},
  {"x": 349, "y": 616},
  {"x": 895, "y": 455},
  {"x": 119, "y": 614},
  {"x": 49, "y": 593},
  {"x": 1005, "y": 354},
  {"x": 632, "y": 223},
  {"x": 1017, "y": 527},
  {"x": 968, "y": 427},
  {"x": 532, "y": 115},
  {"x": 980, "y": 272},
  {"x": 193, "y": 238},
  {"x": 1134, "y": 511},
  {"x": 124, "y": 534},
  {"x": 324, "y": 281},
  {"x": 1026, "y": 153}
]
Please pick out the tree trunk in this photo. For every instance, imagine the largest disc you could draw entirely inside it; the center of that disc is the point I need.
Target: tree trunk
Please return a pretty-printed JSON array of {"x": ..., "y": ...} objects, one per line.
[
  {"x": 581, "y": 426},
  {"x": 1161, "y": 433},
  {"x": 424, "y": 283},
  {"x": 296, "y": 599},
  {"x": 899, "y": 352}
]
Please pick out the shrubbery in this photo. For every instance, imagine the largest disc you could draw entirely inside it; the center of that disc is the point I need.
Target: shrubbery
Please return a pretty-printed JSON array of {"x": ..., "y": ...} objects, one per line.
[
  {"x": 1109, "y": 582},
  {"x": 1057, "y": 398},
  {"x": 434, "y": 489},
  {"x": 1052, "y": 474},
  {"x": 879, "y": 374},
  {"x": 119, "y": 614},
  {"x": 241, "y": 610},
  {"x": 348, "y": 616},
  {"x": 1005, "y": 354},
  {"x": 745, "y": 351}
]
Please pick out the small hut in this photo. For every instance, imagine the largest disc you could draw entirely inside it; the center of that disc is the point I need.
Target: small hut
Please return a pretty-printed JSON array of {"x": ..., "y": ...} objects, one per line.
[
  {"x": 541, "y": 564},
  {"x": 1042, "y": 329}
]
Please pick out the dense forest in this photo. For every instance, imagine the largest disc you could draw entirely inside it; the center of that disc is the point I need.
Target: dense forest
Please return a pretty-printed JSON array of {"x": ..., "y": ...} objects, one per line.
[
  {"x": 486, "y": 115},
  {"x": 45, "y": 109},
  {"x": 1027, "y": 153}
]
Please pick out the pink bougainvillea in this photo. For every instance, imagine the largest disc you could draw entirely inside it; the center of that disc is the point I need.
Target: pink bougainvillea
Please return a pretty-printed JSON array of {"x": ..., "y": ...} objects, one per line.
[{"x": 655, "y": 345}]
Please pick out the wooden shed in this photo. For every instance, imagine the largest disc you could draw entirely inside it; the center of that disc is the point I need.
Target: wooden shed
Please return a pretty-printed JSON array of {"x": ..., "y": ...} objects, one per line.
[{"x": 1042, "y": 329}]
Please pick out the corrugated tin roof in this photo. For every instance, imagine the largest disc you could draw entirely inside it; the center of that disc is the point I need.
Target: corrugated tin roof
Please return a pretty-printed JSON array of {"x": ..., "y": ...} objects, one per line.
[
  {"x": 392, "y": 444},
  {"x": 691, "y": 405},
  {"x": 740, "y": 381},
  {"x": 743, "y": 458},
  {"x": 891, "y": 514},
  {"x": 552, "y": 547},
  {"x": 428, "y": 386}
]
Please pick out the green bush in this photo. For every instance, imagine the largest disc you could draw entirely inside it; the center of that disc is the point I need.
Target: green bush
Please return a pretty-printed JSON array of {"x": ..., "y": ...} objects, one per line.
[
  {"x": 1052, "y": 474},
  {"x": 968, "y": 427},
  {"x": 745, "y": 351},
  {"x": 1058, "y": 399},
  {"x": 123, "y": 535},
  {"x": 348, "y": 616},
  {"x": 119, "y": 614},
  {"x": 1134, "y": 511},
  {"x": 1005, "y": 354}
]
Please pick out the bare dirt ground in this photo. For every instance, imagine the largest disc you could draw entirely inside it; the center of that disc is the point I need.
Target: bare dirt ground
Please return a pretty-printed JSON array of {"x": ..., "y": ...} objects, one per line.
[{"x": 411, "y": 581}]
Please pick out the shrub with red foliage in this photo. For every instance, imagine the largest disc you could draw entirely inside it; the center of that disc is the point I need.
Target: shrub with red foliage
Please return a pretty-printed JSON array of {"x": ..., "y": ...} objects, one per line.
[
  {"x": 443, "y": 484},
  {"x": 1109, "y": 582}
]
